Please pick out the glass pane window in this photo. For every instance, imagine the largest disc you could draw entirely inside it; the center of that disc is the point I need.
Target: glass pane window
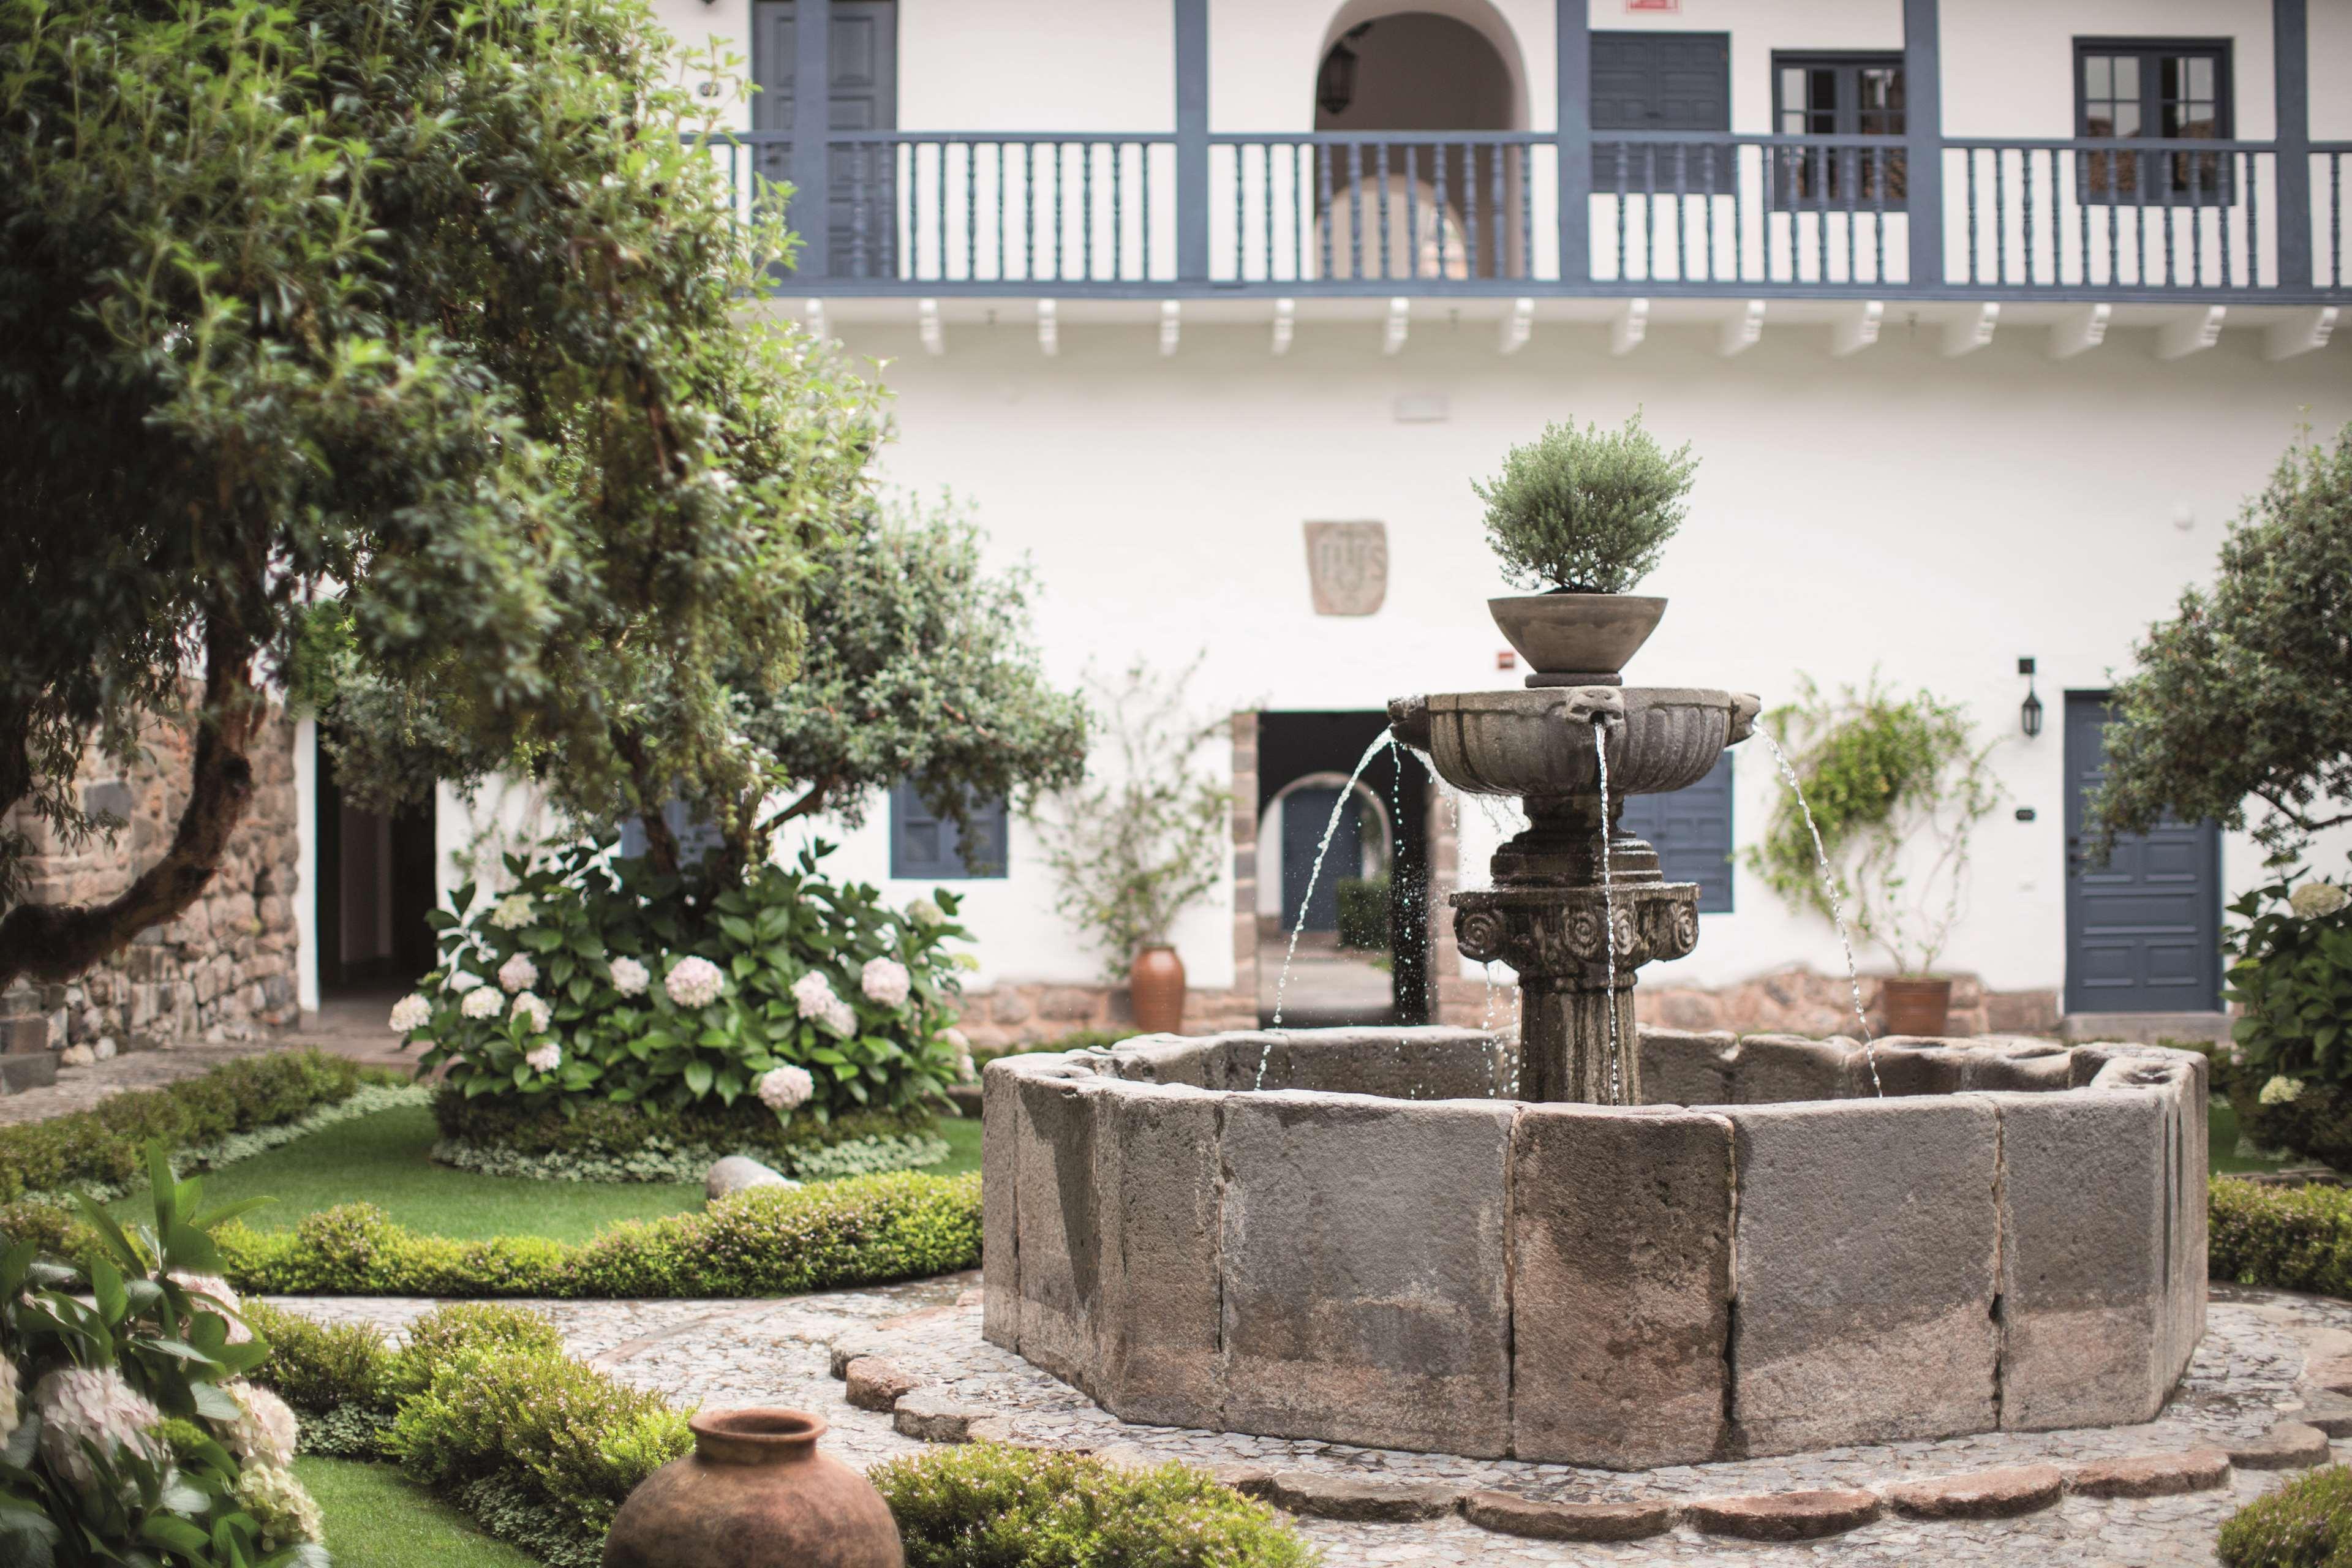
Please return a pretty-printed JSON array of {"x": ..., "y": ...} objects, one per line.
[
  {"x": 2130, "y": 89},
  {"x": 1837, "y": 95}
]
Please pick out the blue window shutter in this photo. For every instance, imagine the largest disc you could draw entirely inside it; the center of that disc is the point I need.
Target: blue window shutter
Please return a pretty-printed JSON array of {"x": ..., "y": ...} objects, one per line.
[
  {"x": 695, "y": 837},
  {"x": 1691, "y": 830},
  {"x": 926, "y": 846}
]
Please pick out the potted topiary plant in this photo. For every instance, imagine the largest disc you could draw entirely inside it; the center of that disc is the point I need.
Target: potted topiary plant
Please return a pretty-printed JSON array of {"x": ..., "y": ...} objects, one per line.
[{"x": 1586, "y": 512}]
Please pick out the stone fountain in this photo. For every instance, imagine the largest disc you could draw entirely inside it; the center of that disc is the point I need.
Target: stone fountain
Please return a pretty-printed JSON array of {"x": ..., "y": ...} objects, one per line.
[{"x": 1599, "y": 1245}]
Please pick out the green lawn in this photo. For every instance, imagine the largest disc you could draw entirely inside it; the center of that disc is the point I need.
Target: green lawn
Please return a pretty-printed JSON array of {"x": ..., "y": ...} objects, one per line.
[
  {"x": 386, "y": 1160},
  {"x": 377, "y": 1518}
]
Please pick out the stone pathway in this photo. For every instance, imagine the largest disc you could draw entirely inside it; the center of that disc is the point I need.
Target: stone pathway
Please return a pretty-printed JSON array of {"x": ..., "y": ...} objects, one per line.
[{"x": 2243, "y": 1380}]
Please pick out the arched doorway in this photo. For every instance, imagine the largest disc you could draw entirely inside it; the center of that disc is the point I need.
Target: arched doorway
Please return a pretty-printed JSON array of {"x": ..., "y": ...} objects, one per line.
[{"x": 1420, "y": 206}]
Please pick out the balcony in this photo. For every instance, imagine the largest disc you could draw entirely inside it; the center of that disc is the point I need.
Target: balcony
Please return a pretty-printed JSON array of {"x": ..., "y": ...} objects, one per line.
[{"x": 1479, "y": 213}]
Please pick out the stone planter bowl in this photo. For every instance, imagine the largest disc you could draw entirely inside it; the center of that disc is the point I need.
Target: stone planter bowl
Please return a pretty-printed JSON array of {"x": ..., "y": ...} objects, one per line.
[
  {"x": 1577, "y": 634},
  {"x": 1380, "y": 1246},
  {"x": 1539, "y": 742}
]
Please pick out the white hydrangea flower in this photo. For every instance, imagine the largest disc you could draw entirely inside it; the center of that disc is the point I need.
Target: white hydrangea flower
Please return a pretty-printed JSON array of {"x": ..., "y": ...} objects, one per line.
[
  {"x": 536, "y": 1008},
  {"x": 92, "y": 1404},
  {"x": 216, "y": 1291},
  {"x": 781, "y": 1089},
  {"x": 2281, "y": 1091},
  {"x": 286, "y": 1514},
  {"x": 518, "y": 972},
  {"x": 544, "y": 1057},
  {"x": 629, "y": 976},
  {"x": 694, "y": 982},
  {"x": 812, "y": 995},
  {"x": 2314, "y": 899},
  {"x": 924, "y": 912},
  {"x": 10, "y": 1417},
  {"x": 512, "y": 912},
  {"x": 482, "y": 1003},
  {"x": 885, "y": 980},
  {"x": 841, "y": 1018},
  {"x": 411, "y": 1013},
  {"x": 265, "y": 1431},
  {"x": 961, "y": 1046},
  {"x": 463, "y": 981}
]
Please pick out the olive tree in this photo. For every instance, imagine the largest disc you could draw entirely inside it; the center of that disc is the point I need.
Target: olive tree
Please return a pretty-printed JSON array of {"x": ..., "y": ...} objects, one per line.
[
  {"x": 428, "y": 309},
  {"x": 2241, "y": 696}
]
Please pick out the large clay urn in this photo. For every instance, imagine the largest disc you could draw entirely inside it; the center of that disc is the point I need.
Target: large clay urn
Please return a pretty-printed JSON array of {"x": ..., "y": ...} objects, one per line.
[
  {"x": 755, "y": 1493},
  {"x": 1156, "y": 984},
  {"x": 1915, "y": 1004}
]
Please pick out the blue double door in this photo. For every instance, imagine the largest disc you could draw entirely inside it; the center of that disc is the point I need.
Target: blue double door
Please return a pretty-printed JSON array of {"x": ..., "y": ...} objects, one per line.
[{"x": 2144, "y": 930}]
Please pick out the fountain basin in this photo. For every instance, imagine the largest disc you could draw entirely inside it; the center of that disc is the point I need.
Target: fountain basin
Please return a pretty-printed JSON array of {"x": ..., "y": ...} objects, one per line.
[
  {"x": 1378, "y": 1246},
  {"x": 1539, "y": 742}
]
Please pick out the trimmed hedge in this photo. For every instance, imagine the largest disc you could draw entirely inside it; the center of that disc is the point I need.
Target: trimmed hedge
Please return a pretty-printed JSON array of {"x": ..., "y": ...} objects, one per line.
[
  {"x": 984, "y": 1505},
  {"x": 106, "y": 1146},
  {"x": 607, "y": 1131},
  {"x": 766, "y": 1241},
  {"x": 481, "y": 1406},
  {"x": 2286, "y": 1238},
  {"x": 2307, "y": 1523}
]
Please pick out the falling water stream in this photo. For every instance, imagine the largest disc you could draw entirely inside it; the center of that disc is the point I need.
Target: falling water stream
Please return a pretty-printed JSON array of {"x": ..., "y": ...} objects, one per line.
[
  {"x": 1608, "y": 904},
  {"x": 1347, "y": 792},
  {"x": 1837, "y": 906}
]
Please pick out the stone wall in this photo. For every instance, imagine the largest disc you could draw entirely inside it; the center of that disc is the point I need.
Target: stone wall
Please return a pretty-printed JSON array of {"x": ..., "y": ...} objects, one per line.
[
  {"x": 223, "y": 968},
  {"x": 1038, "y": 1013},
  {"x": 1798, "y": 1001}
]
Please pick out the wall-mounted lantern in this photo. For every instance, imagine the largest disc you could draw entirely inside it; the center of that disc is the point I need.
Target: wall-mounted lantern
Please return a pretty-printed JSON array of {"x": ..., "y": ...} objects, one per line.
[
  {"x": 1335, "y": 84},
  {"x": 2029, "y": 715}
]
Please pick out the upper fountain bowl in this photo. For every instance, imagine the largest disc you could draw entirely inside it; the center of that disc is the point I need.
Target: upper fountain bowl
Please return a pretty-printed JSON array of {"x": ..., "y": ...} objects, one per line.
[
  {"x": 1576, "y": 639},
  {"x": 1540, "y": 742}
]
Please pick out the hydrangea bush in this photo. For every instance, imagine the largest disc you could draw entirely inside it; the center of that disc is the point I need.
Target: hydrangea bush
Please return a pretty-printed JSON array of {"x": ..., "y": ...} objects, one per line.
[
  {"x": 2292, "y": 970},
  {"x": 597, "y": 979},
  {"x": 127, "y": 1431}
]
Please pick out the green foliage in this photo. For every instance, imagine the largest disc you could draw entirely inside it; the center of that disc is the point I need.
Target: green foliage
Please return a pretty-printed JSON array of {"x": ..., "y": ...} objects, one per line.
[
  {"x": 2240, "y": 695},
  {"x": 2281, "y": 1238},
  {"x": 126, "y": 1435},
  {"x": 102, "y": 1147},
  {"x": 920, "y": 665},
  {"x": 768, "y": 1241},
  {"x": 2291, "y": 970},
  {"x": 316, "y": 1366},
  {"x": 984, "y": 1505},
  {"x": 799, "y": 958},
  {"x": 1364, "y": 913},
  {"x": 2314, "y": 1124},
  {"x": 614, "y": 1141},
  {"x": 2307, "y": 1523},
  {"x": 1586, "y": 510},
  {"x": 1145, "y": 834},
  {"x": 438, "y": 308},
  {"x": 1897, "y": 787}
]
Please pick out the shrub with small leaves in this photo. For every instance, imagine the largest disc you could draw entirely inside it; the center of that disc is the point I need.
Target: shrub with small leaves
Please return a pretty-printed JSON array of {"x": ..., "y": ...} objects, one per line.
[
  {"x": 984, "y": 1505},
  {"x": 2307, "y": 1523},
  {"x": 1586, "y": 510}
]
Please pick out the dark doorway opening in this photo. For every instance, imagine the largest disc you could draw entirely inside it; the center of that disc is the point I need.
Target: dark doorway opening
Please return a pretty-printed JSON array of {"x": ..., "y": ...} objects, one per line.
[
  {"x": 2144, "y": 930},
  {"x": 1303, "y": 758},
  {"x": 375, "y": 887}
]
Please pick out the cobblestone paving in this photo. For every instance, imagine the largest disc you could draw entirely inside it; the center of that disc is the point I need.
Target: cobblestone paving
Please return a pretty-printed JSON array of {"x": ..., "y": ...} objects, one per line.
[{"x": 779, "y": 1352}]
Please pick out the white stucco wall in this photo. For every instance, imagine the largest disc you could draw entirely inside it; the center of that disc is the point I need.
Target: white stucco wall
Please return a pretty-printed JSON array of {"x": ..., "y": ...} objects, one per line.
[{"x": 1931, "y": 520}]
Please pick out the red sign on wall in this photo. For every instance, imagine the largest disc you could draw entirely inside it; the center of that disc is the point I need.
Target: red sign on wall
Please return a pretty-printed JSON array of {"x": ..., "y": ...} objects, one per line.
[{"x": 1667, "y": 5}]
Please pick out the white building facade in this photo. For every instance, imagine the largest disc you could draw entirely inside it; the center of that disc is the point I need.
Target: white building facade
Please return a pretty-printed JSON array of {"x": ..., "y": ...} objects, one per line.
[{"x": 1984, "y": 317}]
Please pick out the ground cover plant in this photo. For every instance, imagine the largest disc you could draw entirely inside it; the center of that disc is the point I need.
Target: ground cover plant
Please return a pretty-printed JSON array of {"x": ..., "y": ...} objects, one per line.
[
  {"x": 128, "y": 1430},
  {"x": 1586, "y": 512},
  {"x": 984, "y": 1505},
  {"x": 389, "y": 1158},
  {"x": 211, "y": 1119}
]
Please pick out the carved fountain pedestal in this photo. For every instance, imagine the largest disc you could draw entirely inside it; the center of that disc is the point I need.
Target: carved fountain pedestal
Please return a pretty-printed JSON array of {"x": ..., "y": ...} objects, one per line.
[{"x": 1576, "y": 943}]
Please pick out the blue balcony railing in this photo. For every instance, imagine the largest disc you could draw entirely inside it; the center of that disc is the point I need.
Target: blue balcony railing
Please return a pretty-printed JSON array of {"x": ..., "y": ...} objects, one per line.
[{"x": 1481, "y": 213}]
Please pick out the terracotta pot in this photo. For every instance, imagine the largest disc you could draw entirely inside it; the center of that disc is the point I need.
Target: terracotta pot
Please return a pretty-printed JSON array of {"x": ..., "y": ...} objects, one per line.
[
  {"x": 1915, "y": 1007},
  {"x": 755, "y": 1493},
  {"x": 1590, "y": 635},
  {"x": 1157, "y": 987}
]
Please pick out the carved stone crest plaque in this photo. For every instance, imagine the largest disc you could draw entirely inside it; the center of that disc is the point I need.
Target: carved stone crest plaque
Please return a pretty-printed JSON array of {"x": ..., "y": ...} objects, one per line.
[{"x": 1348, "y": 565}]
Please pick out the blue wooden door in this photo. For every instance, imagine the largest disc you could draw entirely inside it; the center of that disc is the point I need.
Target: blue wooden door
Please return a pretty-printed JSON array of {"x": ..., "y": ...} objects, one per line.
[
  {"x": 2142, "y": 932},
  {"x": 1691, "y": 831},
  {"x": 862, "y": 70},
  {"x": 1305, "y": 813}
]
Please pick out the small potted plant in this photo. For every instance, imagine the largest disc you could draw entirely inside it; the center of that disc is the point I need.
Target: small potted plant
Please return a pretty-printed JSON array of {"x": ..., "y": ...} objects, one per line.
[{"x": 1581, "y": 515}]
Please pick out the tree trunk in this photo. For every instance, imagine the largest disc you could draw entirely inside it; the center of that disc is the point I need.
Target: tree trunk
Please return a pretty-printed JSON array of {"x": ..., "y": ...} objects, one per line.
[{"x": 54, "y": 942}]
